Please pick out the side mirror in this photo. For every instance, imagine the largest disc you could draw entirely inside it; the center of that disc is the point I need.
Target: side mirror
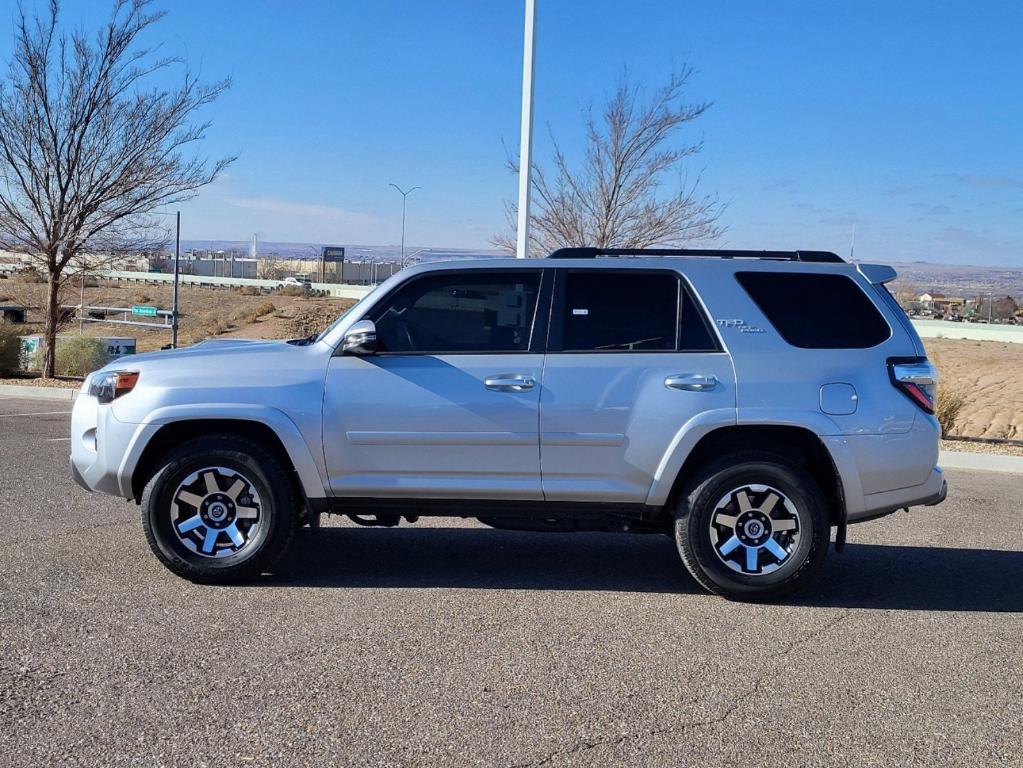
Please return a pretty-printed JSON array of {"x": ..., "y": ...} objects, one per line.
[{"x": 360, "y": 339}]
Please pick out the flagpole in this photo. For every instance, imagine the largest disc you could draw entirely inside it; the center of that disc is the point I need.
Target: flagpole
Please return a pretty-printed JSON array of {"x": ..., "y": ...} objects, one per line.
[{"x": 526, "y": 138}]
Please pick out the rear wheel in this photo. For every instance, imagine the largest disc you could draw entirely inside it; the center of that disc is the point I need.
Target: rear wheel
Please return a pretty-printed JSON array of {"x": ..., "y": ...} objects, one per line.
[
  {"x": 218, "y": 509},
  {"x": 752, "y": 526}
]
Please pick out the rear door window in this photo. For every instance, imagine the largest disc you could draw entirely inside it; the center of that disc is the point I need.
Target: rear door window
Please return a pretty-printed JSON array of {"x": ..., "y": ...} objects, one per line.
[
  {"x": 816, "y": 311},
  {"x": 626, "y": 311}
]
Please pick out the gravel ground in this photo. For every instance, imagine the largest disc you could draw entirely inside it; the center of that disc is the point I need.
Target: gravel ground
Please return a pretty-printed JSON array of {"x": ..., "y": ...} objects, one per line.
[
  {"x": 32, "y": 381},
  {"x": 451, "y": 644},
  {"x": 1002, "y": 449}
]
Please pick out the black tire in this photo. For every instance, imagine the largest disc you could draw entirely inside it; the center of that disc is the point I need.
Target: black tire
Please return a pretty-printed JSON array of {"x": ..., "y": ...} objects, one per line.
[
  {"x": 267, "y": 490},
  {"x": 723, "y": 568}
]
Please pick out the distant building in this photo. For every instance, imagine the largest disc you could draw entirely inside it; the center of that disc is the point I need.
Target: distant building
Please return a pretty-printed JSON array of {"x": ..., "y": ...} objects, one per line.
[
  {"x": 940, "y": 304},
  {"x": 12, "y": 314}
]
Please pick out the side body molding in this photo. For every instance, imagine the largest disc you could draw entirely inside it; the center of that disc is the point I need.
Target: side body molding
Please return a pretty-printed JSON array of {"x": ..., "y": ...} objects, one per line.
[{"x": 310, "y": 471}]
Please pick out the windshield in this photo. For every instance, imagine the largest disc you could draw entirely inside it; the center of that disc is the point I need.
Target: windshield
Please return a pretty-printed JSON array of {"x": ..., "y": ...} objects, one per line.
[{"x": 347, "y": 312}]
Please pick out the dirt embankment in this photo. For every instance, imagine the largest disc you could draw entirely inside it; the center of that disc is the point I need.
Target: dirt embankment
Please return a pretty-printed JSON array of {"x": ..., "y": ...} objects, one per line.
[
  {"x": 205, "y": 312},
  {"x": 990, "y": 374}
]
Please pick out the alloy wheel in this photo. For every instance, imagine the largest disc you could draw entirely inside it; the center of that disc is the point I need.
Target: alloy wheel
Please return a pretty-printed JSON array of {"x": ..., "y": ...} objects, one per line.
[
  {"x": 754, "y": 529},
  {"x": 216, "y": 512}
]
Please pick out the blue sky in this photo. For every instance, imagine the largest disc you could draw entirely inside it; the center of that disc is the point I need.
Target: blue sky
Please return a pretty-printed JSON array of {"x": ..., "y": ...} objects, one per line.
[{"x": 905, "y": 118}]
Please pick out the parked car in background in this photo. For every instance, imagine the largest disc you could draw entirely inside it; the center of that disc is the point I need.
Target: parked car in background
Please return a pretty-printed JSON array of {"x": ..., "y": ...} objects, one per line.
[
  {"x": 298, "y": 282},
  {"x": 743, "y": 403}
]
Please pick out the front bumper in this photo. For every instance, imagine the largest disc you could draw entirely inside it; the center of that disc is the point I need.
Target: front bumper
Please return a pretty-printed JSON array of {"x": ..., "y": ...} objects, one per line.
[
  {"x": 104, "y": 451},
  {"x": 77, "y": 476}
]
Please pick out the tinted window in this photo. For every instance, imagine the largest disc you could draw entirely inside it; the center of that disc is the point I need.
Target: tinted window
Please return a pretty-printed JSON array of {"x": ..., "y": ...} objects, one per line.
[
  {"x": 696, "y": 335},
  {"x": 816, "y": 311},
  {"x": 619, "y": 311},
  {"x": 460, "y": 312}
]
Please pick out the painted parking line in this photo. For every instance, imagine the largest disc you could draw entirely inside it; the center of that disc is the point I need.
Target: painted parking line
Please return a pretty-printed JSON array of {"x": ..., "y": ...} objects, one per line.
[
  {"x": 38, "y": 413},
  {"x": 57, "y": 439}
]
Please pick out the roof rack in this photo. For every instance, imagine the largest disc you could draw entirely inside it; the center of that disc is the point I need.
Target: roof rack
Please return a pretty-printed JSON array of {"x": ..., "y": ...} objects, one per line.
[{"x": 592, "y": 253}]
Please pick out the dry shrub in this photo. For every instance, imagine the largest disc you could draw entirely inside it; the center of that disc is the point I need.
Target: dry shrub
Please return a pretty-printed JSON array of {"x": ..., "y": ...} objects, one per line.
[
  {"x": 313, "y": 319},
  {"x": 10, "y": 351},
  {"x": 265, "y": 308},
  {"x": 76, "y": 356},
  {"x": 211, "y": 324},
  {"x": 30, "y": 276},
  {"x": 948, "y": 404},
  {"x": 244, "y": 316},
  {"x": 138, "y": 297},
  {"x": 294, "y": 290},
  {"x": 247, "y": 290}
]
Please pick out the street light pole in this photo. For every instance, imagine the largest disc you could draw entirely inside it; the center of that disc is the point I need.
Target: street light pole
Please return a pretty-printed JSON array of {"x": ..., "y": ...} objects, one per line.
[
  {"x": 526, "y": 136},
  {"x": 404, "y": 198},
  {"x": 177, "y": 270}
]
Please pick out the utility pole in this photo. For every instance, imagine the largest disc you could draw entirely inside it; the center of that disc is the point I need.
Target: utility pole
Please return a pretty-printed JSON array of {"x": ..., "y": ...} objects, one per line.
[
  {"x": 404, "y": 197},
  {"x": 526, "y": 135},
  {"x": 177, "y": 272},
  {"x": 81, "y": 304}
]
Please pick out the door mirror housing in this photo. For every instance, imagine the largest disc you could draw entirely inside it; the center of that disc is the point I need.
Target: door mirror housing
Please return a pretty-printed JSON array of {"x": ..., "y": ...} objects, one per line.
[{"x": 360, "y": 339}]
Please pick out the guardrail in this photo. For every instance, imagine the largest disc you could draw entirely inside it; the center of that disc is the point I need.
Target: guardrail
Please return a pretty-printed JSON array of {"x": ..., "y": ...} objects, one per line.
[
  {"x": 157, "y": 278},
  {"x": 945, "y": 329},
  {"x": 88, "y": 313}
]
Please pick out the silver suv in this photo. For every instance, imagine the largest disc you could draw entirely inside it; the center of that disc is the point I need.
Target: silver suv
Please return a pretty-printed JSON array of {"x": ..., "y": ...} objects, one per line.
[{"x": 744, "y": 403}]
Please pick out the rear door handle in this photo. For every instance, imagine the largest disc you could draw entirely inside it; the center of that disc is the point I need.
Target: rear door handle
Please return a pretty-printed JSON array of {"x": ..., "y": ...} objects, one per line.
[
  {"x": 509, "y": 382},
  {"x": 691, "y": 382}
]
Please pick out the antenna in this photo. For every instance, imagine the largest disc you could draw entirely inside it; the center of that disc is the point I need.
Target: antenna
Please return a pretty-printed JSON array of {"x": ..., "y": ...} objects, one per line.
[{"x": 852, "y": 242}]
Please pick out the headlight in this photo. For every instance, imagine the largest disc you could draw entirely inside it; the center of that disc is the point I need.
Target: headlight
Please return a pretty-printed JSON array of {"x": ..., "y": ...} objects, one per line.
[{"x": 107, "y": 386}]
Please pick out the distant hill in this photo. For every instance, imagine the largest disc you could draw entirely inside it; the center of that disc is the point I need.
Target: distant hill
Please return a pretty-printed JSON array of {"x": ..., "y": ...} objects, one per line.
[{"x": 959, "y": 280}]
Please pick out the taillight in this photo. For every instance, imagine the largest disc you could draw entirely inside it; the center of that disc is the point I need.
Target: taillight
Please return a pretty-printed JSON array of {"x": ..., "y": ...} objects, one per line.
[{"x": 916, "y": 378}]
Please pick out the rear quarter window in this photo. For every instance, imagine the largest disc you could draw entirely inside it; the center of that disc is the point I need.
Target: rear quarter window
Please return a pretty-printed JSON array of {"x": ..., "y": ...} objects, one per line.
[{"x": 816, "y": 311}]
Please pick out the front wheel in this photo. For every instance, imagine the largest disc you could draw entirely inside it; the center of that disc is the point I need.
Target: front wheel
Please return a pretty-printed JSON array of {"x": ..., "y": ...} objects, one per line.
[
  {"x": 752, "y": 527},
  {"x": 218, "y": 509}
]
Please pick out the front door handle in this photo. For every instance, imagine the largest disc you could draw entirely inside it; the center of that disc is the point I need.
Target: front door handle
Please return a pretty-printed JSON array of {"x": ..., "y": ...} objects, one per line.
[
  {"x": 509, "y": 382},
  {"x": 691, "y": 382}
]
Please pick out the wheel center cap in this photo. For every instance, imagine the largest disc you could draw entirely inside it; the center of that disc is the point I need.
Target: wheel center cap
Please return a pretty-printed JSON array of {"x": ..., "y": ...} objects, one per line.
[
  {"x": 753, "y": 528},
  {"x": 217, "y": 511}
]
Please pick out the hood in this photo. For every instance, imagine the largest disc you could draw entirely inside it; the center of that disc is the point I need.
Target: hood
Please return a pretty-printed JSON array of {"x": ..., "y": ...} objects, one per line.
[{"x": 211, "y": 349}]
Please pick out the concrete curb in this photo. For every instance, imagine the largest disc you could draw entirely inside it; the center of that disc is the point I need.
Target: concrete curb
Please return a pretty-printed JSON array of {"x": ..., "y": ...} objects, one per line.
[
  {"x": 988, "y": 462},
  {"x": 38, "y": 393}
]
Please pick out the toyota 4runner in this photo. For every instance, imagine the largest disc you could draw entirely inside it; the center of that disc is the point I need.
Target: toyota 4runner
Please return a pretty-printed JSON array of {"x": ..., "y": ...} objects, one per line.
[{"x": 744, "y": 403}]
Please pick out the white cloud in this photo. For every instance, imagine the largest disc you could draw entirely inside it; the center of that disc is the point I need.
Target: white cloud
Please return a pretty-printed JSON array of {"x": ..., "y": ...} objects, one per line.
[{"x": 317, "y": 211}]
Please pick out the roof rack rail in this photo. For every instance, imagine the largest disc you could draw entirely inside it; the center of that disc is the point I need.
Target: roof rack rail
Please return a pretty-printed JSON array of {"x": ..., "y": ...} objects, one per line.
[{"x": 592, "y": 253}]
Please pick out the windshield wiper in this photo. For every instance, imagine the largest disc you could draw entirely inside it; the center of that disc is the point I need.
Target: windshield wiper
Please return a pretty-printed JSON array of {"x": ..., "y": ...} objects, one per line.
[{"x": 306, "y": 341}]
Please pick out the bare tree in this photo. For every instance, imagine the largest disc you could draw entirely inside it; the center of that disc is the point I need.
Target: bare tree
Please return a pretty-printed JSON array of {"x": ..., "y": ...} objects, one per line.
[
  {"x": 617, "y": 196},
  {"x": 87, "y": 149},
  {"x": 270, "y": 267}
]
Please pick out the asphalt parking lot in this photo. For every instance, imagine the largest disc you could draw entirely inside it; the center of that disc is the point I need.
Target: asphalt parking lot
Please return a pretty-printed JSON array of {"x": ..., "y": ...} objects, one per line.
[{"x": 452, "y": 644}]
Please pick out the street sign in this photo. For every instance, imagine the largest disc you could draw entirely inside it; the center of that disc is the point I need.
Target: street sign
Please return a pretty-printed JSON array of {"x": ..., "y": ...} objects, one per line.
[
  {"x": 332, "y": 254},
  {"x": 144, "y": 311}
]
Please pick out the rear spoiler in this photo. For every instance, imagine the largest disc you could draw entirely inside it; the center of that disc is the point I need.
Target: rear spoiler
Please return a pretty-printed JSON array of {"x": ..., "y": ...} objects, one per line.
[{"x": 877, "y": 274}]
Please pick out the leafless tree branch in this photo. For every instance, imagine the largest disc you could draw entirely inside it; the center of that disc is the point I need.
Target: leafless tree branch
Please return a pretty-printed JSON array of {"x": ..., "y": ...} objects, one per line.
[
  {"x": 88, "y": 150},
  {"x": 616, "y": 197}
]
